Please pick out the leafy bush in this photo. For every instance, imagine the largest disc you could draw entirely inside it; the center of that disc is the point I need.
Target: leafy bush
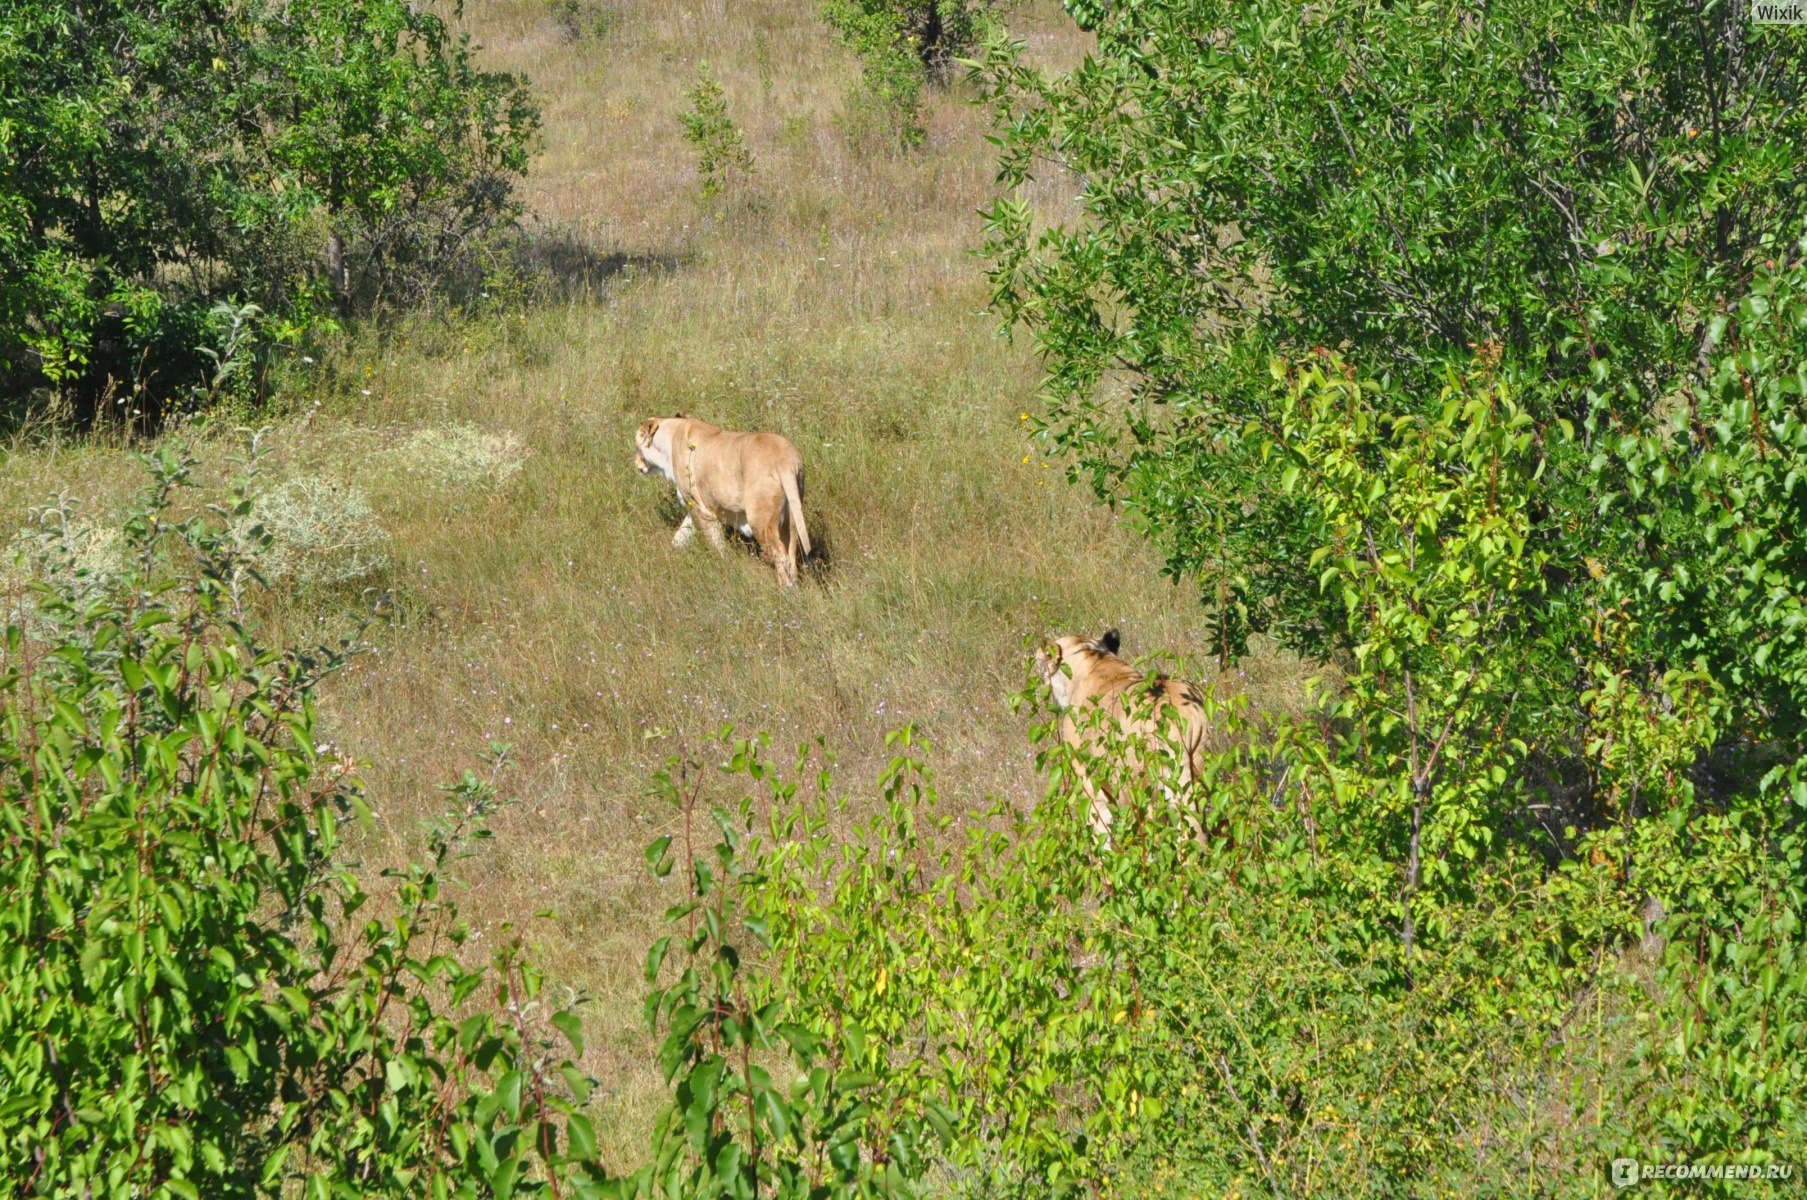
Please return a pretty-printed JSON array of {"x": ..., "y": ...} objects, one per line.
[
  {"x": 721, "y": 145},
  {"x": 158, "y": 159},
  {"x": 198, "y": 998},
  {"x": 903, "y": 46},
  {"x": 734, "y": 1128},
  {"x": 1017, "y": 1008}
]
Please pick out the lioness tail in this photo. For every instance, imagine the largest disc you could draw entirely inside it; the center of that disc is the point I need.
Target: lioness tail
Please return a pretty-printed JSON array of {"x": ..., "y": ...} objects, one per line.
[{"x": 794, "y": 498}]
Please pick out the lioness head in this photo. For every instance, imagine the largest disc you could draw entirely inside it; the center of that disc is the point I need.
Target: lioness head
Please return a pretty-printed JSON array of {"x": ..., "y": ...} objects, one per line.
[
  {"x": 652, "y": 440},
  {"x": 1066, "y": 658}
]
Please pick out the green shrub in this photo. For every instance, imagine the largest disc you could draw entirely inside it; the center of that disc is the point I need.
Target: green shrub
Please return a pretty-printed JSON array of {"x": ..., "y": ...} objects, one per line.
[
  {"x": 197, "y": 998},
  {"x": 767, "y": 1097},
  {"x": 159, "y": 159},
  {"x": 1016, "y": 1008},
  {"x": 460, "y": 456},
  {"x": 904, "y": 45},
  {"x": 317, "y": 533},
  {"x": 721, "y": 145}
]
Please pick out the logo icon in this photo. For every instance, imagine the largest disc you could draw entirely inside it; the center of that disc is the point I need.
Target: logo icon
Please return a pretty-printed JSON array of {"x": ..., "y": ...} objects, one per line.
[{"x": 1624, "y": 1172}]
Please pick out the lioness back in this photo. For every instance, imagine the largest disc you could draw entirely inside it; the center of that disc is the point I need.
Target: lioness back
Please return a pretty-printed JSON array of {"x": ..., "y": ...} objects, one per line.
[{"x": 1088, "y": 673}]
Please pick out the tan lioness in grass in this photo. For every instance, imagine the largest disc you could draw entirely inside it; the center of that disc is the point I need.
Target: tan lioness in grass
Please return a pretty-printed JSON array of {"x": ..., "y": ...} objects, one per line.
[
  {"x": 751, "y": 481},
  {"x": 1162, "y": 714}
]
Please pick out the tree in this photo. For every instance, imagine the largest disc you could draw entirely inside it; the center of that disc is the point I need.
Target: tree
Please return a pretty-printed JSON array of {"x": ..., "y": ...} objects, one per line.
[
  {"x": 161, "y": 158},
  {"x": 1581, "y": 190},
  {"x": 395, "y": 133}
]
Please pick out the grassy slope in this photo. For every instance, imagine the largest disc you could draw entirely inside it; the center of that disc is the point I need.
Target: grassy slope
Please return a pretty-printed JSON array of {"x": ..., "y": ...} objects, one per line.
[{"x": 834, "y": 300}]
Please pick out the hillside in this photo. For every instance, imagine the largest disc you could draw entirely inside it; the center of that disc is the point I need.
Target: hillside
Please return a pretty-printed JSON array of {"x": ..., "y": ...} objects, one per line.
[{"x": 834, "y": 299}]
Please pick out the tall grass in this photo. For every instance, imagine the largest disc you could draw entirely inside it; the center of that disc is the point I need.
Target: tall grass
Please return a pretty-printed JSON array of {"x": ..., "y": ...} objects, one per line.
[{"x": 833, "y": 299}]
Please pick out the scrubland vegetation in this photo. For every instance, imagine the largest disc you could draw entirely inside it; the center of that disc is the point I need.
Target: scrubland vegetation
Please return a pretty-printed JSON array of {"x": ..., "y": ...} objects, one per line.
[{"x": 1475, "y": 432}]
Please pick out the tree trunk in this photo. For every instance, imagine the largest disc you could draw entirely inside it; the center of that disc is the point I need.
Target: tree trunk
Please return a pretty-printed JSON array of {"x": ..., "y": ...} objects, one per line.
[
  {"x": 1409, "y": 928},
  {"x": 933, "y": 60},
  {"x": 335, "y": 271}
]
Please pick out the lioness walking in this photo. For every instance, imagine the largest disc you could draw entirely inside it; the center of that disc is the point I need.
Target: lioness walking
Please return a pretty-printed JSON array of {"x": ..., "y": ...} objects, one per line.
[
  {"x": 1163, "y": 715},
  {"x": 752, "y": 481}
]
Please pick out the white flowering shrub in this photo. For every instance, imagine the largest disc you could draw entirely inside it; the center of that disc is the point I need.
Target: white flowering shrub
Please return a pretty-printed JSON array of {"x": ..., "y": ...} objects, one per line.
[
  {"x": 461, "y": 457},
  {"x": 76, "y": 554},
  {"x": 317, "y": 532}
]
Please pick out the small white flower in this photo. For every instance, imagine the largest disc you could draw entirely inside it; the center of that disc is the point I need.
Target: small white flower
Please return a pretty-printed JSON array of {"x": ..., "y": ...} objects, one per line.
[
  {"x": 308, "y": 359},
  {"x": 366, "y": 391}
]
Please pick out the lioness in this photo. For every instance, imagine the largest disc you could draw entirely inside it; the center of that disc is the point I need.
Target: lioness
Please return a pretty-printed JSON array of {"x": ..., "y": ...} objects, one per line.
[
  {"x": 753, "y": 481},
  {"x": 1163, "y": 714}
]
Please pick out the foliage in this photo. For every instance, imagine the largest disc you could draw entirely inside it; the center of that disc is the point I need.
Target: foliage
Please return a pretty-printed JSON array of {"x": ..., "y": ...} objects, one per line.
[
  {"x": 903, "y": 46},
  {"x": 1706, "y": 499},
  {"x": 1581, "y": 191},
  {"x": 156, "y": 160},
  {"x": 721, "y": 145},
  {"x": 1179, "y": 1015},
  {"x": 732, "y": 1129},
  {"x": 199, "y": 998},
  {"x": 1424, "y": 544}
]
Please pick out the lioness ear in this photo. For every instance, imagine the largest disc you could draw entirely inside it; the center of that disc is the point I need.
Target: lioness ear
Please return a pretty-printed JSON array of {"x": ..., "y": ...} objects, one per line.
[
  {"x": 677, "y": 416},
  {"x": 1112, "y": 641},
  {"x": 648, "y": 427}
]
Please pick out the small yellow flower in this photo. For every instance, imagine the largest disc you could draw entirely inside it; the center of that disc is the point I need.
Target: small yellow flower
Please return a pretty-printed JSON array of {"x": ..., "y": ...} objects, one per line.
[{"x": 1025, "y": 458}]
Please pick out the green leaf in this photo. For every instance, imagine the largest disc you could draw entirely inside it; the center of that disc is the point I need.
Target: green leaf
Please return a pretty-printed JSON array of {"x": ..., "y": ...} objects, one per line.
[{"x": 571, "y": 1025}]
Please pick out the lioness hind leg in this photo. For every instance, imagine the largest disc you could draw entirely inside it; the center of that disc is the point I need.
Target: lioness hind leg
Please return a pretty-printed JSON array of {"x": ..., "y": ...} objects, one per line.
[{"x": 770, "y": 536}]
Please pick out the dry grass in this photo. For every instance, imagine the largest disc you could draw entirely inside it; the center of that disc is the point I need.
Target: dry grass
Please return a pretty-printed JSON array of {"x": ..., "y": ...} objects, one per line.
[{"x": 834, "y": 300}]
